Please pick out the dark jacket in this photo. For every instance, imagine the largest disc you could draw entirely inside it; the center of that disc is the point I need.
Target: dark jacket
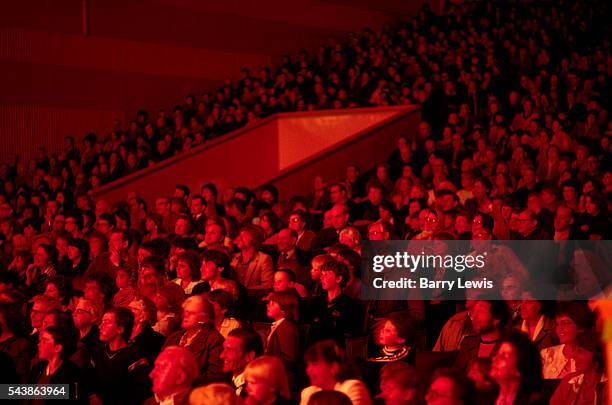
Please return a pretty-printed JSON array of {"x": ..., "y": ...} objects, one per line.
[
  {"x": 148, "y": 343},
  {"x": 206, "y": 346},
  {"x": 68, "y": 373},
  {"x": 284, "y": 342},
  {"x": 468, "y": 350},
  {"x": 86, "y": 345}
]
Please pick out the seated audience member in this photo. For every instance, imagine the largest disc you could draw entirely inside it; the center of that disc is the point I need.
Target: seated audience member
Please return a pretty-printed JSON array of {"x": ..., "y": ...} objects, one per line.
[
  {"x": 284, "y": 339},
  {"x": 479, "y": 372},
  {"x": 351, "y": 238},
  {"x": 241, "y": 346},
  {"x": 305, "y": 237},
  {"x": 489, "y": 318},
  {"x": 199, "y": 334},
  {"x": 266, "y": 382},
  {"x": 124, "y": 281},
  {"x": 59, "y": 288},
  {"x": 455, "y": 329},
  {"x": 314, "y": 287},
  {"x": 172, "y": 376},
  {"x": 147, "y": 341},
  {"x": 119, "y": 371},
  {"x": 168, "y": 308},
  {"x": 399, "y": 385},
  {"x": 12, "y": 340},
  {"x": 86, "y": 316},
  {"x": 333, "y": 314},
  {"x": 352, "y": 260},
  {"x": 98, "y": 288},
  {"x": 214, "y": 394},
  {"x": 325, "y": 364},
  {"x": 187, "y": 271},
  {"x": 329, "y": 397},
  {"x": 152, "y": 279},
  {"x": 213, "y": 269},
  {"x": 42, "y": 306},
  {"x": 535, "y": 323},
  {"x": 588, "y": 384},
  {"x": 55, "y": 346},
  {"x": 119, "y": 255},
  {"x": 517, "y": 370},
  {"x": 285, "y": 281},
  {"x": 290, "y": 256},
  {"x": 45, "y": 260},
  {"x": 253, "y": 268},
  {"x": 223, "y": 302},
  {"x": 571, "y": 319},
  {"x": 339, "y": 217},
  {"x": 452, "y": 388}
]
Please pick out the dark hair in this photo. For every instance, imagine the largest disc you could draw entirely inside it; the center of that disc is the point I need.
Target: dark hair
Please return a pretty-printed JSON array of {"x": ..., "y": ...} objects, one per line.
[
  {"x": 184, "y": 188},
  {"x": 339, "y": 269},
  {"x": 152, "y": 247},
  {"x": 63, "y": 285},
  {"x": 211, "y": 187},
  {"x": 590, "y": 341},
  {"x": 124, "y": 318},
  {"x": 528, "y": 361},
  {"x": 223, "y": 298},
  {"x": 65, "y": 336},
  {"x": 218, "y": 257},
  {"x": 403, "y": 324},
  {"x": 108, "y": 218},
  {"x": 577, "y": 311},
  {"x": 353, "y": 258},
  {"x": 156, "y": 263},
  {"x": 193, "y": 262},
  {"x": 329, "y": 397},
  {"x": 464, "y": 388},
  {"x": 51, "y": 252},
  {"x": 288, "y": 303},
  {"x": 251, "y": 340}
]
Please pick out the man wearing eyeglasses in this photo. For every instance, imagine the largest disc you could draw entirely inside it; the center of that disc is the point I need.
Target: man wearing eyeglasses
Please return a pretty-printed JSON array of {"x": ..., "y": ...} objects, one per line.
[{"x": 85, "y": 317}]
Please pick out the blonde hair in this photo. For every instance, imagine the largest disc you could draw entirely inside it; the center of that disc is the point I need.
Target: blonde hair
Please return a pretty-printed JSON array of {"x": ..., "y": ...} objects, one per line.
[
  {"x": 269, "y": 370},
  {"x": 213, "y": 394}
]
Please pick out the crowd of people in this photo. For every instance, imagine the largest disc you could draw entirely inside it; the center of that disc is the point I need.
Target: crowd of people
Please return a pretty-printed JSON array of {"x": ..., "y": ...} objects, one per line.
[{"x": 250, "y": 296}]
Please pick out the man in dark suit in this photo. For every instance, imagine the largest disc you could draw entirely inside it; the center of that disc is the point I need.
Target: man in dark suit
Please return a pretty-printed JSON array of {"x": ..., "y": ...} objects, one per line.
[
  {"x": 290, "y": 257},
  {"x": 305, "y": 237},
  {"x": 339, "y": 215},
  {"x": 198, "y": 213},
  {"x": 199, "y": 334}
]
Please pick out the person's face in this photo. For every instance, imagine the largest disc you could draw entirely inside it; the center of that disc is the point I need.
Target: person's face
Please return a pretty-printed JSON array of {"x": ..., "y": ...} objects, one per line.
[
  {"x": 320, "y": 373},
  {"x": 164, "y": 374},
  {"x": 296, "y": 223},
  {"x": 47, "y": 348},
  {"x": 192, "y": 314},
  {"x": 336, "y": 194},
  {"x": 181, "y": 227},
  {"x": 83, "y": 316},
  {"x": 388, "y": 335},
  {"x": 244, "y": 240},
  {"x": 258, "y": 389},
  {"x": 504, "y": 364},
  {"x": 122, "y": 279},
  {"x": 92, "y": 291},
  {"x": 70, "y": 225},
  {"x": 37, "y": 314},
  {"x": 273, "y": 310},
  {"x": 510, "y": 289},
  {"x": 116, "y": 242},
  {"x": 52, "y": 291},
  {"x": 196, "y": 206},
  {"x": 394, "y": 394},
  {"x": 233, "y": 358},
  {"x": 109, "y": 329},
  {"x": 41, "y": 258},
  {"x": 377, "y": 232},
  {"x": 213, "y": 234},
  {"x": 563, "y": 219},
  {"x": 530, "y": 308},
  {"x": 430, "y": 221},
  {"x": 338, "y": 217},
  {"x": 103, "y": 226},
  {"x": 285, "y": 242},
  {"x": 441, "y": 392},
  {"x": 482, "y": 320},
  {"x": 183, "y": 271},
  {"x": 566, "y": 329},
  {"x": 329, "y": 280},
  {"x": 162, "y": 206},
  {"x": 281, "y": 281},
  {"x": 208, "y": 270}
]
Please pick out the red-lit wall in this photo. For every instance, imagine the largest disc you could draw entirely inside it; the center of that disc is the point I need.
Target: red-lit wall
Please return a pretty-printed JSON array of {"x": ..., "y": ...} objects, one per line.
[{"x": 146, "y": 53}]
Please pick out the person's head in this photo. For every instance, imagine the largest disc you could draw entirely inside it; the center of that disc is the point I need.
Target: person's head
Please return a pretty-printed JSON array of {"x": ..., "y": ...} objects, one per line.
[
  {"x": 240, "y": 347},
  {"x": 86, "y": 313},
  {"x": 77, "y": 249},
  {"x": 144, "y": 310},
  {"x": 266, "y": 379},
  {"x": 329, "y": 397},
  {"x": 59, "y": 288},
  {"x": 375, "y": 193},
  {"x": 589, "y": 353},
  {"x": 116, "y": 325},
  {"x": 399, "y": 384},
  {"x": 286, "y": 240},
  {"x": 511, "y": 287},
  {"x": 337, "y": 193},
  {"x": 449, "y": 387},
  {"x": 45, "y": 255},
  {"x": 214, "y": 394},
  {"x": 188, "y": 266},
  {"x": 197, "y": 310},
  {"x": 214, "y": 233},
  {"x": 214, "y": 262},
  {"x": 379, "y": 231},
  {"x": 42, "y": 305},
  {"x": 489, "y": 315},
  {"x": 222, "y": 302},
  {"x": 530, "y": 308},
  {"x": 527, "y": 222},
  {"x": 334, "y": 274},
  {"x": 350, "y": 237},
  {"x": 517, "y": 359},
  {"x": 57, "y": 342},
  {"x": 478, "y": 371},
  {"x": 151, "y": 271},
  {"x": 571, "y": 319},
  {"x": 339, "y": 215},
  {"x": 297, "y": 220},
  {"x": 283, "y": 304},
  {"x": 97, "y": 243},
  {"x": 183, "y": 226},
  {"x": 119, "y": 240},
  {"x": 316, "y": 263},
  {"x": 324, "y": 360},
  {"x": 395, "y": 330},
  {"x": 162, "y": 206},
  {"x": 249, "y": 238},
  {"x": 176, "y": 368},
  {"x": 283, "y": 279}
]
